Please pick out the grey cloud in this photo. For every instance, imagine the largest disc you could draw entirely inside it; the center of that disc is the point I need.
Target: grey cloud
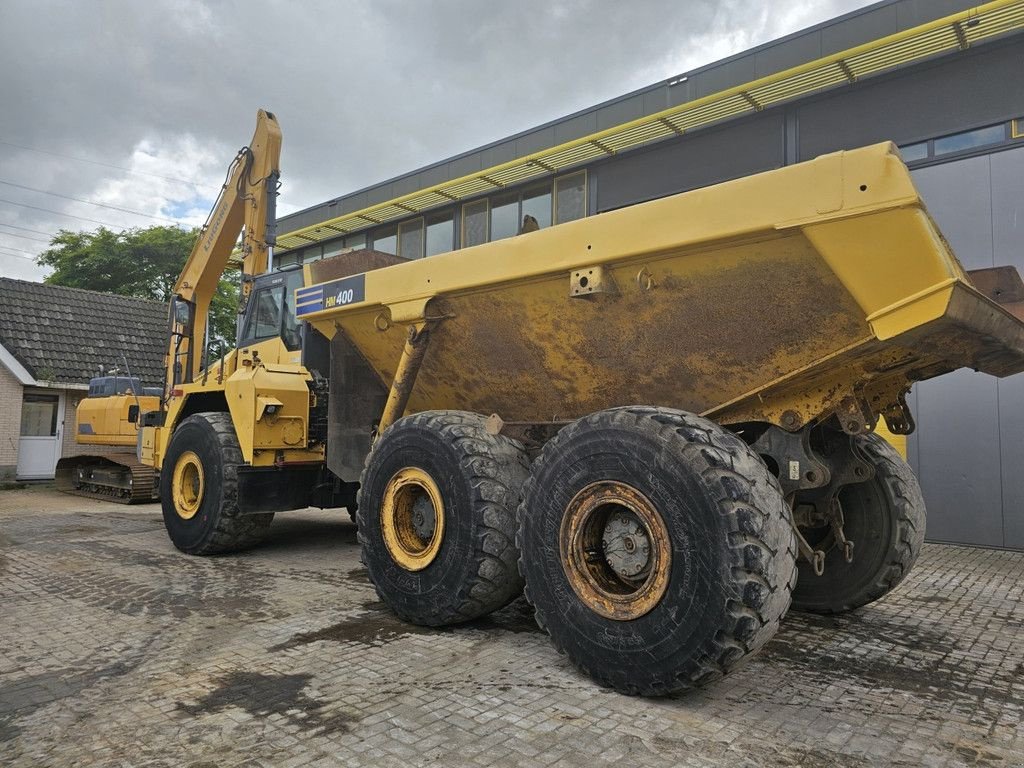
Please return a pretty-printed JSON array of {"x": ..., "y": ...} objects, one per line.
[{"x": 363, "y": 90}]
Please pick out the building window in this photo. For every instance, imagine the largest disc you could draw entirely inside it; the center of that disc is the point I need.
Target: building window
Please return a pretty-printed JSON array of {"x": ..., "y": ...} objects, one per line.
[
  {"x": 316, "y": 252},
  {"x": 289, "y": 259},
  {"x": 504, "y": 216},
  {"x": 39, "y": 415},
  {"x": 333, "y": 248},
  {"x": 440, "y": 233},
  {"x": 912, "y": 152},
  {"x": 356, "y": 242},
  {"x": 474, "y": 223},
  {"x": 386, "y": 240},
  {"x": 537, "y": 203},
  {"x": 410, "y": 239},
  {"x": 571, "y": 197},
  {"x": 979, "y": 137}
]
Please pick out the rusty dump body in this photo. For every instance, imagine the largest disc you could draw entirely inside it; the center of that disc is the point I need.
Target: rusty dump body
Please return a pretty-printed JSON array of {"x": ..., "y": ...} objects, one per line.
[{"x": 820, "y": 289}]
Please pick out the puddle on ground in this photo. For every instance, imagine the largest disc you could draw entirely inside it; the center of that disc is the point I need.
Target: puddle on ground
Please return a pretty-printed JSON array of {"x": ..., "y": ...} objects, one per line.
[
  {"x": 378, "y": 626},
  {"x": 262, "y": 695}
]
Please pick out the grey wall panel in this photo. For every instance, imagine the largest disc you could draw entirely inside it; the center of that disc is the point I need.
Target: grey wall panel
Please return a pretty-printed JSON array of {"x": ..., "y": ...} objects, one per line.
[
  {"x": 958, "y": 458},
  {"x": 1011, "y": 444},
  {"x": 692, "y": 161},
  {"x": 794, "y": 52},
  {"x": 859, "y": 29},
  {"x": 959, "y": 197},
  {"x": 1008, "y": 247},
  {"x": 943, "y": 98},
  {"x": 913, "y": 439},
  {"x": 574, "y": 127},
  {"x": 535, "y": 141},
  {"x": 726, "y": 74},
  {"x": 912, "y": 13},
  {"x": 621, "y": 112},
  {"x": 957, "y": 446}
]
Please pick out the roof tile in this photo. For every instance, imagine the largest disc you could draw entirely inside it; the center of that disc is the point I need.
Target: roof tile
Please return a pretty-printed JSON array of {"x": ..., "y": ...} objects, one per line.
[{"x": 65, "y": 334}]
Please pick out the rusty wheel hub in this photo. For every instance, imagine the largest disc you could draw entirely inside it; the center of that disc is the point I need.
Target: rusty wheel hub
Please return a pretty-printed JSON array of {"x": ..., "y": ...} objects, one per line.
[{"x": 615, "y": 550}]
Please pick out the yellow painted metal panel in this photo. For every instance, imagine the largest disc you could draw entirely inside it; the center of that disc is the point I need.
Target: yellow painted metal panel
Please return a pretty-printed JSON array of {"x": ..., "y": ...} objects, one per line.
[{"x": 834, "y": 283}]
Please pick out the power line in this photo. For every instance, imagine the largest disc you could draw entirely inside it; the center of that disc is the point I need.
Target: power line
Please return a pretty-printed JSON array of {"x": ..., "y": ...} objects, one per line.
[
  {"x": 90, "y": 202},
  {"x": 26, "y": 229},
  {"x": 26, "y": 237},
  {"x": 30, "y": 254},
  {"x": 109, "y": 165},
  {"x": 59, "y": 213}
]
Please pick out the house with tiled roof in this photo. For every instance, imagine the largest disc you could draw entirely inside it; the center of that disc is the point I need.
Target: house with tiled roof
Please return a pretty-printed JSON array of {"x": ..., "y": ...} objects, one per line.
[{"x": 53, "y": 339}]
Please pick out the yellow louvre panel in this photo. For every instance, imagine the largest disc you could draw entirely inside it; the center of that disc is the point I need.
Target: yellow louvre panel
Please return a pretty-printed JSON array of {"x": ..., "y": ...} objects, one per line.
[
  {"x": 830, "y": 74},
  {"x": 388, "y": 212},
  {"x": 427, "y": 200},
  {"x": 354, "y": 222},
  {"x": 326, "y": 230},
  {"x": 289, "y": 241},
  {"x": 467, "y": 187},
  {"x": 994, "y": 22},
  {"x": 716, "y": 110},
  {"x": 515, "y": 173},
  {"x": 655, "y": 129},
  {"x": 573, "y": 155},
  {"x": 904, "y": 51}
]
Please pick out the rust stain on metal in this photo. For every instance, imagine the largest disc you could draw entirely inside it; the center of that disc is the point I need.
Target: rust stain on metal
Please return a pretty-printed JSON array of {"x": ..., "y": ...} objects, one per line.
[{"x": 585, "y": 558}]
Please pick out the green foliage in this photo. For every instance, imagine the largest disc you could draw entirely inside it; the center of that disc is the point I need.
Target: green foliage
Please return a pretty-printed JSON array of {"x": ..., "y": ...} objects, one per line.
[{"x": 144, "y": 263}]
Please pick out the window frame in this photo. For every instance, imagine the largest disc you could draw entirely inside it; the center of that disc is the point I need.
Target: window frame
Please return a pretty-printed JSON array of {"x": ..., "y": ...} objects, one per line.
[
  {"x": 375, "y": 236},
  {"x": 486, "y": 201},
  {"x": 445, "y": 214},
  {"x": 555, "y": 221},
  {"x": 423, "y": 237}
]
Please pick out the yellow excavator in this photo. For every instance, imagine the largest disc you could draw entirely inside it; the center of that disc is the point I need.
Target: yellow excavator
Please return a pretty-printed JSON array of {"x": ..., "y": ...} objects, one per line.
[
  {"x": 660, "y": 421},
  {"x": 106, "y": 420}
]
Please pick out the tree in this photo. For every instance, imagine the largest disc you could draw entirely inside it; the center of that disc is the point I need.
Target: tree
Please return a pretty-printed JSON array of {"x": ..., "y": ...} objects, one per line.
[{"x": 144, "y": 263}]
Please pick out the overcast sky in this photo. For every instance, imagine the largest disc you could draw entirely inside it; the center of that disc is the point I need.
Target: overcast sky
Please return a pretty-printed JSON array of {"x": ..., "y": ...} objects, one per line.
[{"x": 168, "y": 89}]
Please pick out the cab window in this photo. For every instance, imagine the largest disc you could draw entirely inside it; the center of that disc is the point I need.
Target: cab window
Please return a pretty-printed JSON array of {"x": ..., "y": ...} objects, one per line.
[{"x": 264, "y": 321}]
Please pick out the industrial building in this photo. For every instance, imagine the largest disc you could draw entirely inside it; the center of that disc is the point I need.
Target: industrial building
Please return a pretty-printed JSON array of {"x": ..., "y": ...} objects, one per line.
[{"x": 940, "y": 78}]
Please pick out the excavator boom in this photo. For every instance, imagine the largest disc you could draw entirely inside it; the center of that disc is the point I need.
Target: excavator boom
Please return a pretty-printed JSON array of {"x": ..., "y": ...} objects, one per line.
[{"x": 246, "y": 204}]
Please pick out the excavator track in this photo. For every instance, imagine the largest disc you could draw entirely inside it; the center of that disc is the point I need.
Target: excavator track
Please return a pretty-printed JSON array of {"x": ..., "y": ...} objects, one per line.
[{"x": 117, "y": 477}]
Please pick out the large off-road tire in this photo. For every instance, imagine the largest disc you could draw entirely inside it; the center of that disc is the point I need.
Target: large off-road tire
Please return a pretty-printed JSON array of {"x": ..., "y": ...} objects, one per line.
[
  {"x": 721, "y": 563},
  {"x": 199, "y": 489},
  {"x": 436, "y": 517},
  {"x": 884, "y": 517}
]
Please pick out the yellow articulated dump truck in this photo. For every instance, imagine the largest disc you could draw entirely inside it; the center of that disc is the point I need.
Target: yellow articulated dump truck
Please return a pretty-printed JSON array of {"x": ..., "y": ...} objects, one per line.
[{"x": 659, "y": 420}]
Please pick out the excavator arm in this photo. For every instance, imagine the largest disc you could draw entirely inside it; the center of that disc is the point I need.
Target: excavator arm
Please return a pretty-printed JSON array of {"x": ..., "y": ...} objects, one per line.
[{"x": 246, "y": 204}]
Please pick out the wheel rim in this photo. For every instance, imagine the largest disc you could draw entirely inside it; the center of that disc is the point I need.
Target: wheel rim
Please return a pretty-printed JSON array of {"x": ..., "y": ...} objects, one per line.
[
  {"x": 412, "y": 519},
  {"x": 615, "y": 550},
  {"x": 187, "y": 485}
]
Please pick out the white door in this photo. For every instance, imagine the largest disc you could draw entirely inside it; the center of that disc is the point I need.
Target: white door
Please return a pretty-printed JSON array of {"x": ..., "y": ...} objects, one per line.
[{"x": 42, "y": 422}]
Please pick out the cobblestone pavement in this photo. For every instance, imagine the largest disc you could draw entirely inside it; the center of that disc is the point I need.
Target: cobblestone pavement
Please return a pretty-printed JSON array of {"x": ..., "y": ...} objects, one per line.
[{"x": 117, "y": 650}]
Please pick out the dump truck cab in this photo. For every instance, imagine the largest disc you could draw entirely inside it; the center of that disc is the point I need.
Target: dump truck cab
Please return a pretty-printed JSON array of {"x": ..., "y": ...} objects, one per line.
[{"x": 268, "y": 325}]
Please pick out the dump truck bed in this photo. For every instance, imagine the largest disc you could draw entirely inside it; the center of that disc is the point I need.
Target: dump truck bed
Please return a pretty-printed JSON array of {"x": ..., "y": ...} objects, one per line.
[{"x": 823, "y": 287}]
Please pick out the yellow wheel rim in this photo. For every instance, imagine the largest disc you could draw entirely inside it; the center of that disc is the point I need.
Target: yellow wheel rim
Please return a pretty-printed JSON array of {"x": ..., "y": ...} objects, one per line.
[
  {"x": 615, "y": 550},
  {"x": 187, "y": 485},
  {"x": 412, "y": 519}
]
